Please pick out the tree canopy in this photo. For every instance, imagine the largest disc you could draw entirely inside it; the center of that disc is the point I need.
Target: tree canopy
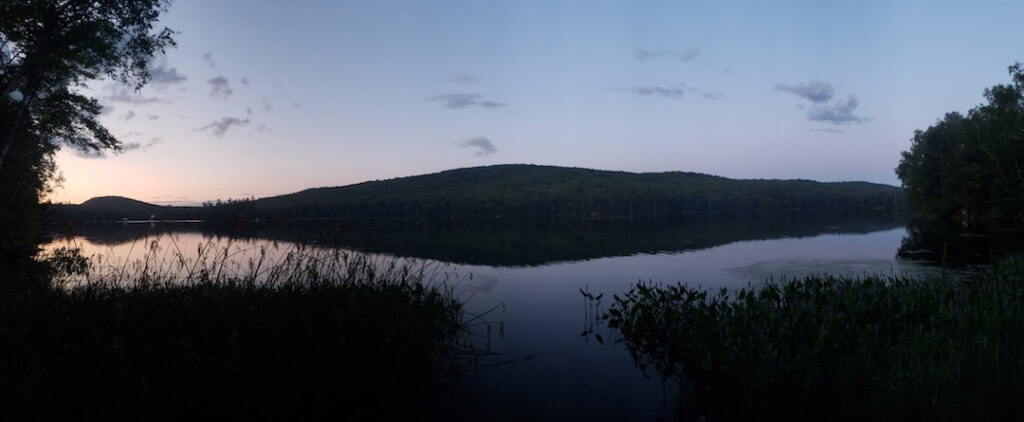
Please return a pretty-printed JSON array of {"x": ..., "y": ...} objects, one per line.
[
  {"x": 51, "y": 48},
  {"x": 967, "y": 169},
  {"x": 49, "y": 51}
]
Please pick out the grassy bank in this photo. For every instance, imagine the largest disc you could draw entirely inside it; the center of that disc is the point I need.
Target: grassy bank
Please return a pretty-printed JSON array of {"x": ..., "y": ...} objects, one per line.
[
  {"x": 894, "y": 348},
  {"x": 301, "y": 341}
]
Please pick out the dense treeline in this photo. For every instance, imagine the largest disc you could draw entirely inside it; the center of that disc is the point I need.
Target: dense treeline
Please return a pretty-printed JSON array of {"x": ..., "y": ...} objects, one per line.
[
  {"x": 966, "y": 169},
  {"x": 544, "y": 191},
  {"x": 964, "y": 178},
  {"x": 528, "y": 191}
]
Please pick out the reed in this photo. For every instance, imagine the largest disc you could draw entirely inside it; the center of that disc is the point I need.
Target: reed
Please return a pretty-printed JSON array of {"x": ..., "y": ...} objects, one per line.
[
  {"x": 302, "y": 332},
  {"x": 834, "y": 348}
]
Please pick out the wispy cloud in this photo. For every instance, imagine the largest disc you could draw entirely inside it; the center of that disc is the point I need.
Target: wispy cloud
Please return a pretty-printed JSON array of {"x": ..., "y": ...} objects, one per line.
[
  {"x": 208, "y": 58},
  {"x": 839, "y": 113},
  {"x": 219, "y": 88},
  {"x": 688, "y": 54},
  {"x": 670, "y": 91},
  {"x": 659, "y": 91},
  {"x": 245, "y": 81},
  {"x": 818, "y": 93},
  {"x": 162, "y": 74},
  {"x": 457, "y": 100},
  {"x": 814, "y": 91},
  {"x": 128, "y": 116},
  {"x": 117, "y": 94},
  {"x": 133, "y": 146},
  {"x": 125, "y": 147},
  {"x": 153, "y": 117},
  {"x": 220, "y": 127},
  {"x": 491, "y": 104},
  {"x": 483, "y": 145},
  {"x": 463, "y": 78},
  {"x": 827, "y": 130}
]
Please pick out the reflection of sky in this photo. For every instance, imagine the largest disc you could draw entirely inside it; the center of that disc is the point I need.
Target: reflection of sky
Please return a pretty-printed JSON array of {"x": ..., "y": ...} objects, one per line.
[
  {"x": 326, "y": 93},
  {"x": 543, "y": 314}
]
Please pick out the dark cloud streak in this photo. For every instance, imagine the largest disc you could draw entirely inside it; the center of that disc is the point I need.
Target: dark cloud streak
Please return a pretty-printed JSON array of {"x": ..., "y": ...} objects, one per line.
[
  {"x": 460, "y": 100},
  {"x": 814, "y": 91},
  {"x": 220, "y": 127}
]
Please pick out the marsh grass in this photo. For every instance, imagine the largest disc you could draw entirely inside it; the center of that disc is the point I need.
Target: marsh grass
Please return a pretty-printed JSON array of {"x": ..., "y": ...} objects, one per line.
[
  {"x": 292, "y": 332},
  {"x": 835, "y": 348}
]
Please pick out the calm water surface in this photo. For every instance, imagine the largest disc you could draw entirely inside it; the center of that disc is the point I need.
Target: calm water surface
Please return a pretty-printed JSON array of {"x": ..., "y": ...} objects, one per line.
[{"x": 530, "y": 277}]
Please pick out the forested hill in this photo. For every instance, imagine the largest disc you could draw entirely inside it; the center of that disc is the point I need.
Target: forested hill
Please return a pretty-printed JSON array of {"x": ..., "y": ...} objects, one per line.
[
  {"x": 116, "y": 208},
  {"x": 557, "y": 192}
]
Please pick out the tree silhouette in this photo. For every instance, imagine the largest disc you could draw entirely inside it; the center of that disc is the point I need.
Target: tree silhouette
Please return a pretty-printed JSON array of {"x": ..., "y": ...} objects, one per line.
[
  {"x": 967, "y": 170},
  {"x": 49, "y": 48}
]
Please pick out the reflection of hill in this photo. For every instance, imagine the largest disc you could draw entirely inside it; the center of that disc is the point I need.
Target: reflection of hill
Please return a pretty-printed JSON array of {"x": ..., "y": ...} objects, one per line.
[{"x": 503, "y": 243}]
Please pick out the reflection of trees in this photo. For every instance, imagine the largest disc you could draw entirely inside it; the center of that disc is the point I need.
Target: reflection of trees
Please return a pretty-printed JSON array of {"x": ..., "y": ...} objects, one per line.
[
  {"x": 508, "y": 243},
  {"x": 947, "y": 243}
]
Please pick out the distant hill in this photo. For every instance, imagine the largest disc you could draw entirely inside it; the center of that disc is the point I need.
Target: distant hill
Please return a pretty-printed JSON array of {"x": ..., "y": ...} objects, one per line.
[
  {"x": 116, "y": 208},
  {"x": 548, "y": 192}
]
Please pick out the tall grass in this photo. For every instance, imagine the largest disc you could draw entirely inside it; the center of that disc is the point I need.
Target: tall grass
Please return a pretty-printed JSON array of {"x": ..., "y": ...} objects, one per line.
[
  {"x": 835, "y": 348},
  {"x": 161, "y": 260},
  {"x": 300, "y": 332}
]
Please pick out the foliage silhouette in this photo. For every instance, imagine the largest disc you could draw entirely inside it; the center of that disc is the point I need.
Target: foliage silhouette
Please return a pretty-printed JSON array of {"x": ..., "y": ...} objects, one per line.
[
  {"x": 966, "y": 170},
  {"x": 825, "y": 348},
  {"x": 528, "y": 191}
]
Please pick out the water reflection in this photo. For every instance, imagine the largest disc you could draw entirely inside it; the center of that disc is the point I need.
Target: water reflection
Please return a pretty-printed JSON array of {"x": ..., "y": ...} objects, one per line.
[
  {"x": 502, "y": 242},
  {"x": 950, "y": 245},
  {"x": 527, "y": 280}
]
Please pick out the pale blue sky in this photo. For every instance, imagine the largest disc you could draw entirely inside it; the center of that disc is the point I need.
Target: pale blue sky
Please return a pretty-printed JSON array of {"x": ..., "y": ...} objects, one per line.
[{"x": 327, "y": 93}]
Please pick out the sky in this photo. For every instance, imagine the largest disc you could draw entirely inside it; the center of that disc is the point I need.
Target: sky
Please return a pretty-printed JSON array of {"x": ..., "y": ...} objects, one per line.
[{"x": 265, "y": 97}]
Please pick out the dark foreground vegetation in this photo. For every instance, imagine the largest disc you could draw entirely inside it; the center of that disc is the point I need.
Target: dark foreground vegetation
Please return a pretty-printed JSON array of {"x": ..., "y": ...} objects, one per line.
[
  {"x": 826, "y": 348},
  {"x": 303, "y": 341}
]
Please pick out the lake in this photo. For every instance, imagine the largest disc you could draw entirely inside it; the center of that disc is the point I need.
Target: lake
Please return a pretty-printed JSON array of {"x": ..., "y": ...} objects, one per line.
[{"x": 529, "y": 277}]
